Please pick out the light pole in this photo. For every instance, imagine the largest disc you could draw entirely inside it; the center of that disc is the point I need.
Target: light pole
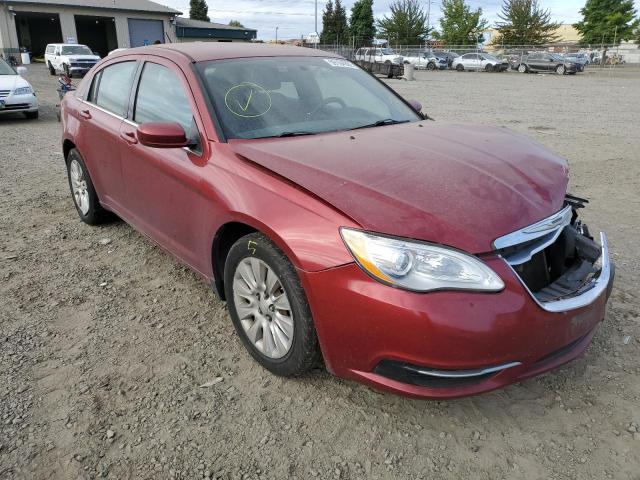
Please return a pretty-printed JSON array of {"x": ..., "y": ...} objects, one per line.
[
  {"x": 277, "y": 34},
  {"x": 428, "y": 19}
]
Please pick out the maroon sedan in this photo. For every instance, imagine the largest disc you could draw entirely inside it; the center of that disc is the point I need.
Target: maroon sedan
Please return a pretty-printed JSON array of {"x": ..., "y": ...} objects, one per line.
[{"x": 338, "y": 222}]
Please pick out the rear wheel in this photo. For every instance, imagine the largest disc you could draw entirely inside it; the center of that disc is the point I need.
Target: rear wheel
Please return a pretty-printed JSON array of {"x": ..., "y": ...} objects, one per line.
[
  {"x": 431, "y": 66},
  {"x": 269, "y": 308},
  {"x": 66, "y": 70},
  {"x": 459, "y": 67},
  {"x": 52, "y": 70},
  {"x": 522, "y": 68},
  {"x": 561, "y": 70},
  {"x": 83, "y": 192},
  {"x": 488, "y": 68}
]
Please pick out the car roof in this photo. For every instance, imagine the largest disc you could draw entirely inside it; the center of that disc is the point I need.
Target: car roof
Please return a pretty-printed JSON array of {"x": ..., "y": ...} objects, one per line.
[
  {"x": 66, "y": 45},
  {"x": 204, "y": 51}
]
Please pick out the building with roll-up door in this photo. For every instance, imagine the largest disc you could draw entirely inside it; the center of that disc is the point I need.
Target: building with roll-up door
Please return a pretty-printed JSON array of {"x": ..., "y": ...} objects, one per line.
[{"x": 103, "y": 25}]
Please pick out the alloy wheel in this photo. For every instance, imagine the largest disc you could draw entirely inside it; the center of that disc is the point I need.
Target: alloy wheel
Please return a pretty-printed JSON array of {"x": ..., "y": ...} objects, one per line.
[
  {"x": 79, "y": 186},
  {"x": 263, "y": 308}
]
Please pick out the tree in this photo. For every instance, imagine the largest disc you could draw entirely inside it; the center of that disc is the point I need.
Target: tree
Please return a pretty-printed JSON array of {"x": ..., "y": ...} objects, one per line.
[
  {"x": 341, "y": 26},
  {"x": 524, "y": 22},
  {"x": 334, "y": 23},
  {"x": 198, "y": 10},
  {"x": 407, "y": 24},
  {"x": 460, "y": 25},
  {"x": 601, "y": 18},
  {"x": 236, "y": 23},
  {"x": 328, "y": 34},
  {"x": 362, "y": 25}
]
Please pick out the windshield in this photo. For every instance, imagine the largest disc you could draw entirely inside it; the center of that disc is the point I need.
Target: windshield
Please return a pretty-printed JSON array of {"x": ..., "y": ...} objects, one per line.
[
  {"x": 267, "y": 97},
  {"x": 76, "y": 50},
  {"x": 5, "y": 68},
  {"x": 386, "y": 51}
]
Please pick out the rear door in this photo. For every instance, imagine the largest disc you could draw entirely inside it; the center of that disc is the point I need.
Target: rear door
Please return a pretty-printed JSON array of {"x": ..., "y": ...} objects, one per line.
[
  {"x": 101, "y": 115},
  {"x": 163, "y": 184}
]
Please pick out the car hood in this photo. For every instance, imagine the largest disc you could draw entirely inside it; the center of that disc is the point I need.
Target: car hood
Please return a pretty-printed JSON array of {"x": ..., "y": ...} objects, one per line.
[
  {"x": 458, "y": 185},
  {"x": 11, "y": 82}
]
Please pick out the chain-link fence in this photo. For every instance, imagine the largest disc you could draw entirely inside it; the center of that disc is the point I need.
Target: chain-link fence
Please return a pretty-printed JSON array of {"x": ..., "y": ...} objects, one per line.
[{"x": 591, "y": 57}]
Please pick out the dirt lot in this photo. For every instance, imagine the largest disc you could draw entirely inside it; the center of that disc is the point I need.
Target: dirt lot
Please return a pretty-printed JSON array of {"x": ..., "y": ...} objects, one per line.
[{"x": 105, "y": 340}]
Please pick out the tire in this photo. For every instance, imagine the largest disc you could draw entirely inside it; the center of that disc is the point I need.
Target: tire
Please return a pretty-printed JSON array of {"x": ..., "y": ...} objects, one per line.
[
  {"x": 522, "y": 68},
  {"x": 90, "y": 212},
  {"x": 459, "y": 68},
  {"x": 302, "y": 352},
  {"x": 489, "y": 68},
  {"x": 52, "y": 70},
  {"x": 561, "y": 70},
  {"x": 31, "y": 115},
  {"x": 431, "y": 66},
  {"x": 66, "y": 70}
]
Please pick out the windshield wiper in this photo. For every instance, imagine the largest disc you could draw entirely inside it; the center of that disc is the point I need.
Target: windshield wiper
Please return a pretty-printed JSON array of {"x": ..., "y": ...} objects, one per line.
[
  {"x": 291, "y": 134},
  {"x": 381, "y": 123}
]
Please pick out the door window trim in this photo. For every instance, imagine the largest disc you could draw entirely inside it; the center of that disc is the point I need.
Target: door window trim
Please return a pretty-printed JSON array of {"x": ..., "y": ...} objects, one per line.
[
  {"x": 99, "y": 73},
  {"x": 132, "y": 103}
]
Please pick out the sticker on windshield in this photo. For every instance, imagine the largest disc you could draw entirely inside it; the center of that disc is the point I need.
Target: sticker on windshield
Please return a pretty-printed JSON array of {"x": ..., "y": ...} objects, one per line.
[
  {"x": 339, "y": 62},
  {"x": 248, "y": 100}
]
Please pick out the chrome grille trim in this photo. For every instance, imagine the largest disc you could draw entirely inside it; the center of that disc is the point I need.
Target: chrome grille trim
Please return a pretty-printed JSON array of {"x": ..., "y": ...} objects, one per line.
[{"x": 540, "y": 235}]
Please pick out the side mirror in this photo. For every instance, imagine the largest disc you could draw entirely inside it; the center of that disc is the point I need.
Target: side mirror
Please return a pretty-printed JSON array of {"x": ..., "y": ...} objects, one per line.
[
  {"x": 162, "y": 135},
  {"x": 21, "y": 71},
  {"x": 416, "y": 105}
]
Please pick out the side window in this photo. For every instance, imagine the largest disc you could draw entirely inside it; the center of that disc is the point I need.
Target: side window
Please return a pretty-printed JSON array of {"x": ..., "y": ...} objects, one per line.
[
  {"x": 112, "y": 86},
  {"x": 161, "y": 98},
  {"x": 49, "y": 49}
]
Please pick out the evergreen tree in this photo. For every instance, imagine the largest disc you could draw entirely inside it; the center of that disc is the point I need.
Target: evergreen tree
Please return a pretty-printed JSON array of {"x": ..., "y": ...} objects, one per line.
[
  {"x": 407, "y": 24},
  {"x": 362, "y": 25},
  {"x": 236, "y": 23},
  {"x": 601, "y": 17},
  {"x": 198, "y": 10},
  {"x": 328, "y": 34},
  {"x": 524, "y": 22},
  {"x": 340, "y": 24},
  {"x": 460, "y": 25}
]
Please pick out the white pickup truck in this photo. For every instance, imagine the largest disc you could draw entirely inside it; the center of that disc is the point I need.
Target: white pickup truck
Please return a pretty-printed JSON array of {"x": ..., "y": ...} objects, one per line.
[
  {"x": 378, "y": 55},
  {"x": 70, "y": 59}
]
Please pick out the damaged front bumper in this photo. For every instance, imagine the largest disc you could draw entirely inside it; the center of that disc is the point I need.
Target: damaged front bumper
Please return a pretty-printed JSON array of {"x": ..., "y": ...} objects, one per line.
[{"x": 559, "y": 263}]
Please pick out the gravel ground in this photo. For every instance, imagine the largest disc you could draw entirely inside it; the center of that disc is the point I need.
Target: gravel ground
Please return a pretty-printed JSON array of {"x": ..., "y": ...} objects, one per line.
[{"x": 106, "y": 342}]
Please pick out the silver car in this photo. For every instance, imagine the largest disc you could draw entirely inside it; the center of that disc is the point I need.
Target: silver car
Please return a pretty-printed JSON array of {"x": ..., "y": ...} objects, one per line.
[{"x": 479, "y": 61}]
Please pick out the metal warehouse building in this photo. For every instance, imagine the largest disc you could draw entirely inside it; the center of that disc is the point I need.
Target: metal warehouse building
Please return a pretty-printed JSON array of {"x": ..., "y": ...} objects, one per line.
[
  {"x": 103, "y": 25},
  {"x": 188, "y": 30}
]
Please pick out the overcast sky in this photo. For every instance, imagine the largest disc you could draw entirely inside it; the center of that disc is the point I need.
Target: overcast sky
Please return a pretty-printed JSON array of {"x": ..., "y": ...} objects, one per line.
[{"x": 296, "y": 17}]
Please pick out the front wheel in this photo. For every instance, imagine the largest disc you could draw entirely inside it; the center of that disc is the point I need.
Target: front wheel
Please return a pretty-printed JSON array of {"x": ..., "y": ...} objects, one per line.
[
  {"x": 269, "y": 308},
  {"x": 561, "y": 70},
  {"x": 488, "y": 68},
  {"x": 52, "y": 70},
  {"x": 522, "y": 68},
  {"x": 459, "y": 68}
]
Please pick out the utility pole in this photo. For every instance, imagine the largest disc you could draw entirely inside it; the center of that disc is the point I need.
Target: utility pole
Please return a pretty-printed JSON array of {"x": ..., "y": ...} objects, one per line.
[
  {"x": 277, "y": 34},
  {"x": 429, "y": 20}
]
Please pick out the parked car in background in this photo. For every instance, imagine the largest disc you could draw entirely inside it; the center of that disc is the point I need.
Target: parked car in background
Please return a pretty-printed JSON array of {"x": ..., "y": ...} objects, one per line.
[
  {"x": 70, "y": 59},
  {"x": 425, "y": 61},
  {"x": 429, "y": 259},
  {"x": 16, "y": 93},
  {"x": 448, "y": 56},
  {"x": 537, "y": 62},
  {"x": 479, "y": 61},
  {"x": 579, "y": 58},
  {"x": 379, "y": 55}
]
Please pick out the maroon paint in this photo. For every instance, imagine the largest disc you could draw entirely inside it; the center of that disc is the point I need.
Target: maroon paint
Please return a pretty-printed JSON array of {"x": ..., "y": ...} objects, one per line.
[{"x": 456, "y": 185}]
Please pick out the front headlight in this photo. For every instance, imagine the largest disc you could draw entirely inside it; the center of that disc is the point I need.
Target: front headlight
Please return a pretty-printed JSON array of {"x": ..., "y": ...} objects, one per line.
[
  {"x": 23, "y": 91},
  {"x": 419, "y": 267}
]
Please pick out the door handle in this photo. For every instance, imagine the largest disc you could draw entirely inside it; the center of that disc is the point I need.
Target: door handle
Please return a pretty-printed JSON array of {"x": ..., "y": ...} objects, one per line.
[
  {"x": 86, "y": 114},
  {"x": 129, "y": 137}
]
